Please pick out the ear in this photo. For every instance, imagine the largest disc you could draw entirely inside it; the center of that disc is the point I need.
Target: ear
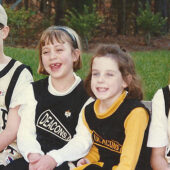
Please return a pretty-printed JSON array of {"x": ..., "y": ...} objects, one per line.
[
  {"x": 76, "y": 55},
  {"x": 127, "y": 81},
  {"x": 5, "y": 32}
]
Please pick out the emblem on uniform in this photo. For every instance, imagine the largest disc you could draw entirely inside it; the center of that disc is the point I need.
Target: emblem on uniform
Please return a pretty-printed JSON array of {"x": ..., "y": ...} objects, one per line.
[
  {"x": 67, "y": 113},
  {"x": 2, "y": 93}
]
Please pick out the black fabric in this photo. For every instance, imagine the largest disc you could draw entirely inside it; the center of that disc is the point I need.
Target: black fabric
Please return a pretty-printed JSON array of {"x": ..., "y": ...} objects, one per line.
[
  {"x": 1, "y": 167},
  {"x": 53, "y": 127},
  {"x": 109, "y": 134},
  {"x": 7, "y": 68},
  {"x": 93, "y": 167},
  {"x": 13, "y": 83},
  {"x": 21, "y": 164},
  {"x": 166, "y": 93}
]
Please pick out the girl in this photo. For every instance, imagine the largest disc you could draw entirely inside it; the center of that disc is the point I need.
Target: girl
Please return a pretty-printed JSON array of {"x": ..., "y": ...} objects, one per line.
[
  {"x": 116, "y": 120},
  {"x": 49, "y": 118}
]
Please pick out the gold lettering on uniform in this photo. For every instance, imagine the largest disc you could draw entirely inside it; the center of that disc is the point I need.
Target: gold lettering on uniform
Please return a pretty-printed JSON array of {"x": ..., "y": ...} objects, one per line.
[{"x": 110, "y": 144}]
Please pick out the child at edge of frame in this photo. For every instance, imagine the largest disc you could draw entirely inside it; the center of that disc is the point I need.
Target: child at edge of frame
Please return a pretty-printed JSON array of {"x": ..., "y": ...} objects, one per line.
[
  {"x": 50, "y": 117},
  {"x": 13, "y": 77},
  {"x": 117, "y": 122}
]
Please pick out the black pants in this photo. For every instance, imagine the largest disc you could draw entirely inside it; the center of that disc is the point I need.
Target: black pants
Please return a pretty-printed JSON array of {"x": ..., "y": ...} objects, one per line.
[
  {"x": 21, "y": 164},
  {"x": 1, "y": 167}
]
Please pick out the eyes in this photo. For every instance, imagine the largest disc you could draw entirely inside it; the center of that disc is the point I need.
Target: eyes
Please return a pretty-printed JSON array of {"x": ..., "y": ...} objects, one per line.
[
  {"x": 106, "y": 74},
  {"x": 48, "y": 51}
]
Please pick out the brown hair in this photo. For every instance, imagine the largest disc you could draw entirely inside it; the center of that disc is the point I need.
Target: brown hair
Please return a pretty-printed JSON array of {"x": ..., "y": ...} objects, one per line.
[
  {"x": 62, "y": 34},
  {"x": 126, "y": 67}
]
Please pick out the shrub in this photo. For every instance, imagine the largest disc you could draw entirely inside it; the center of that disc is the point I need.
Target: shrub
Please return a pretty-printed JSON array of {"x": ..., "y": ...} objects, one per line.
[
  {"x": 84, "y": 23},
  {"x": 149, "y": 22},
  {"x": 25, "y": 26}
]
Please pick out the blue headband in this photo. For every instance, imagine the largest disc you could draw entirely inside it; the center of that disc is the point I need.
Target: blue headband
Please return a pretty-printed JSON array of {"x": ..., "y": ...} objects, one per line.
[{"x": 73, "y": 38}]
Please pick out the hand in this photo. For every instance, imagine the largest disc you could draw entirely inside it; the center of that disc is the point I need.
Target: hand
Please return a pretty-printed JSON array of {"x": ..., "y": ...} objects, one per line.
[
  {"x": 46, "y": 162},
  {"x": 82, "y": 162},
  {"x": 34, "y": 157},
  {"x": 71, "y": 165}
]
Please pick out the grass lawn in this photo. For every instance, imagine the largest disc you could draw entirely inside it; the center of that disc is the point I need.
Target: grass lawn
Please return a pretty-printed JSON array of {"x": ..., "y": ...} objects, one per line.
[{"x": 152, "y": 66}]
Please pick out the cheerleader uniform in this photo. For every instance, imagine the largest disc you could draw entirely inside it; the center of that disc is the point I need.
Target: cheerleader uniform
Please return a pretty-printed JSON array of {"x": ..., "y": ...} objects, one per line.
[
  {"x": 49, "y": 122},
  {"x": 13, "y": 76},
  {"x": 118, "y": 135}
]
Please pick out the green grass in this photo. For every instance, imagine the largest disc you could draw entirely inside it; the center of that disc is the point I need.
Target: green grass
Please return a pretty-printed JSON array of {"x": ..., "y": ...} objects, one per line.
[{"x": 152, "y": 66}]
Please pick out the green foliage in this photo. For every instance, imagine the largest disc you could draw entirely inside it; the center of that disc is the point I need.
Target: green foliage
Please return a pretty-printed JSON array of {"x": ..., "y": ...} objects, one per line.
[
  {"x": 18, "y": 22},
  {"x": 84, "y": 23},
  {"x": 149, "y": 22},
  {"x": 152, "y": 66},
  {"x": 24, "y": 26}
]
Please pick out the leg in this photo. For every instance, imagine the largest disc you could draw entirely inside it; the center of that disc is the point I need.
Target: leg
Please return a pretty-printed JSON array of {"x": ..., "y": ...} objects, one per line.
[{"x": 17, "y": 164}]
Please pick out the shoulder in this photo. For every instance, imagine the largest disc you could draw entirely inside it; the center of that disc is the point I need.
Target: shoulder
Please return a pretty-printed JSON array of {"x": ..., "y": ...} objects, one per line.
[
  {"x": 158, "y": 95},
  {"x": 90, "y": 106},
  {"x": 40, "y": 82},
  {"x": 38, "y": 85}
]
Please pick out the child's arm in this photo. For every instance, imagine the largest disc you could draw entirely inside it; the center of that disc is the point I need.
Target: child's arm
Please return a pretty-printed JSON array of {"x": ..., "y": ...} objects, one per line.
[
  {"x": 77, "y": 147},
  {"x": 26, "y": 137},
  {"x": 10, "y": 132},
  {"x": 135, "y": 125},
  {"x": 93, "y": 155},
  {"x": 158, "y": 161}
]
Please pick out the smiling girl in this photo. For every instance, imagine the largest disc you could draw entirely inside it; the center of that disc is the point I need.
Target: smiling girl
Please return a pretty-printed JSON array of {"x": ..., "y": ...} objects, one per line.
[
  {"x": 116, "y": 120},
  {"x": 49, "y": 119}
]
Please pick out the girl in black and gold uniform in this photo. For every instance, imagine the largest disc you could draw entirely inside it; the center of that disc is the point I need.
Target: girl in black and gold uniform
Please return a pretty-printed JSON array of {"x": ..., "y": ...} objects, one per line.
[{"x": 116, "y": 120}]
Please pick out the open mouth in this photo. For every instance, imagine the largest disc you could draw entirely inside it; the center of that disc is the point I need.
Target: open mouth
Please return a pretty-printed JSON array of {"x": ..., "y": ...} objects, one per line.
[
  {"x": 102, "y": 89},
  {"x": 55, "y": 66}
]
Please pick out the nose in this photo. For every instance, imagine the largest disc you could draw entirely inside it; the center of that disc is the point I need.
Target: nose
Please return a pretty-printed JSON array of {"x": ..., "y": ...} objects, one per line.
[
  {"x": 100, "y": 79},
  {"x": 53, "y": 55}
]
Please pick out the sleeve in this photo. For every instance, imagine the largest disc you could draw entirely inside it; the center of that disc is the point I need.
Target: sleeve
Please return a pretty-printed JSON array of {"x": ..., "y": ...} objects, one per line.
[
  {"x": 78, "y": 146},
  {"x": 93, "y": 155},
  {"x": 24, "y": 79},
  {"x": 158, "y": 131},
  {"x": 135, "y": 126},
  {"x": 26, "y": 137}
]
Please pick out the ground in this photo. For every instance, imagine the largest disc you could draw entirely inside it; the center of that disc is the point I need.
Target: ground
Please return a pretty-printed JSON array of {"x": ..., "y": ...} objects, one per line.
[{"x": 133, "y": 43}]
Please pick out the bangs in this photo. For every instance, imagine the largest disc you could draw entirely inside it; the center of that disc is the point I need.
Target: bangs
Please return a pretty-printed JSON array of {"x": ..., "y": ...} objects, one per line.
[{"x": 50, "y": 37}]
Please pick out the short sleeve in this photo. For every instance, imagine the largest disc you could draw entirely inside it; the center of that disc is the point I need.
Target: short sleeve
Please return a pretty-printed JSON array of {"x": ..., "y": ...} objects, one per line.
[
  {"x": 158, "y": 131},
  {"x": 24, "y": 80}
]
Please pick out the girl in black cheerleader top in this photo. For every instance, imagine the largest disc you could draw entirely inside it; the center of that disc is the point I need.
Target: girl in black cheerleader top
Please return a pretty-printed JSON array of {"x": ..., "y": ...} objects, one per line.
[
  {"x": 49, "y": 118},
  {"x": 116, "y": 121}
]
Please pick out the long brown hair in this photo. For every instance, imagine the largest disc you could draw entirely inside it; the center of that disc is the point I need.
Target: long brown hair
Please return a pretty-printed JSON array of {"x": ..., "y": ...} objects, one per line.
[
  {"x": 126, "y": 67},
  {"x": 61, "y": 34}
]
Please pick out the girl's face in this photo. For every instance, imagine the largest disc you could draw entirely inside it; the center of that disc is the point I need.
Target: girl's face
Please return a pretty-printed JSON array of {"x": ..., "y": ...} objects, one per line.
[
  {"x": 58, "y": 59},
  {"x": 107, "y": 83}
]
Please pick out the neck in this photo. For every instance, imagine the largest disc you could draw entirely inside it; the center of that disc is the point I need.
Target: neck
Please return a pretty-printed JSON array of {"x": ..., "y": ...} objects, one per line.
[
  {"x": 106, "y": 104},
  {"x": 4, "y": 59},
  {"x": 63, "y": 84}
]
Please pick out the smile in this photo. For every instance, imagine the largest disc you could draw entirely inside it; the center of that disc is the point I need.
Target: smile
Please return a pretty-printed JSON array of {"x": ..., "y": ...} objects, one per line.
[
  {"x": 55, "y": 66},
  {"x": 102, "y": 89}
]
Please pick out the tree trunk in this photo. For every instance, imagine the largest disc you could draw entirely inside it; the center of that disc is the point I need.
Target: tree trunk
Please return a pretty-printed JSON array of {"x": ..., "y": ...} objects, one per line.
[
  {"x": 121, "y": 23},
  {"x": 26, "y": 4},
  {"x": 58, "y": 12},
  {"x": 136, "y": 7}
]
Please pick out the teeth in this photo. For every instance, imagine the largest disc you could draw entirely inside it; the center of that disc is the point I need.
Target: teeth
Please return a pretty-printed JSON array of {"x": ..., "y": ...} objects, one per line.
[
  {"x": 102, "y": 89},
  {"x": 56, "y": 64}
]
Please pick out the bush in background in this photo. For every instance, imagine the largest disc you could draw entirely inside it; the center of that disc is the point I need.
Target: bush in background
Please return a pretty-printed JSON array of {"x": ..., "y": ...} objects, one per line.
[
  {"x": 84, "y": 23},
  {"x": 25, "y": 26},
  {"x": 149, "y": 22}
]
